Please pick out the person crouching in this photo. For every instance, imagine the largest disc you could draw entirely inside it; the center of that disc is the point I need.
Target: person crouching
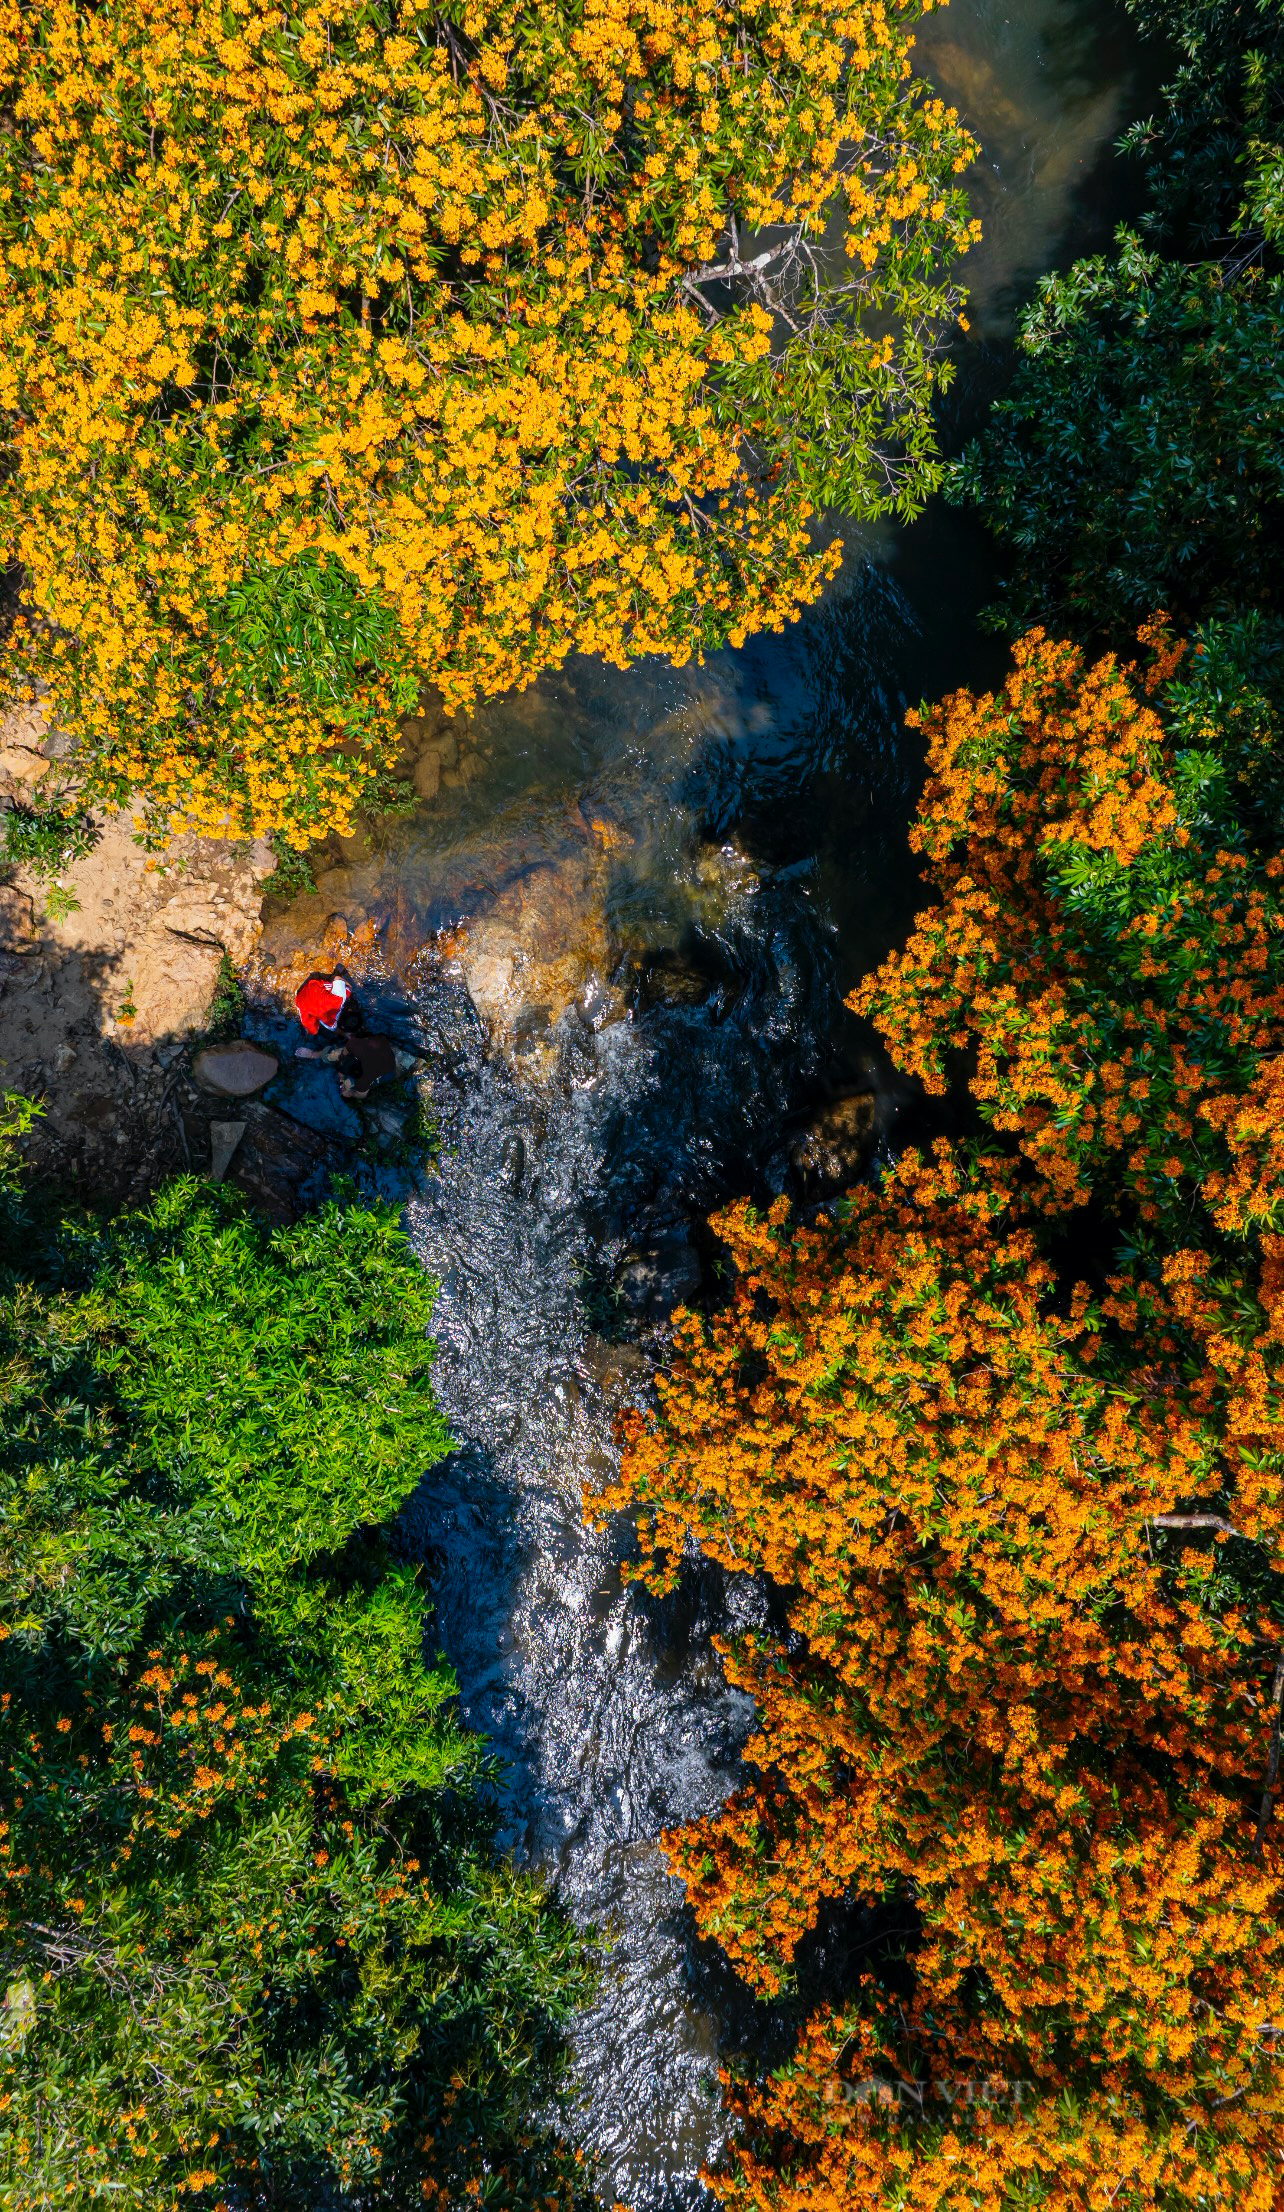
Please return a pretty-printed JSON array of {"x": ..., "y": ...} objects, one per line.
[{"x": 361, "y": 1062}]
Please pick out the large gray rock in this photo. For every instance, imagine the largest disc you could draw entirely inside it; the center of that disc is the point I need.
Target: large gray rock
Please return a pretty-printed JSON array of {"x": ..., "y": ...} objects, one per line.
[{"x": 234, "y": 1071}]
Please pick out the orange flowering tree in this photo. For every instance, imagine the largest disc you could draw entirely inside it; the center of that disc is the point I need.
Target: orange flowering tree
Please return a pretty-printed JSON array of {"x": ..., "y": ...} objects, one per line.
[
  {"x": 1106, "y": 955},
  {"x": 1029, "y": 1530},
  {"x": 380, "y": 344}
]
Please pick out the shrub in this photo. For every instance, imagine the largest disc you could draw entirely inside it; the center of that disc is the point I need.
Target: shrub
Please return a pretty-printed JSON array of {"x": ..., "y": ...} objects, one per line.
[{"x": 45, "y": 839}]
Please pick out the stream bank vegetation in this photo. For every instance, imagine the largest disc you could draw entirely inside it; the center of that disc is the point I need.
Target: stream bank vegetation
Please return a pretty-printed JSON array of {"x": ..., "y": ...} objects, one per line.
[
  {"x": 375, "y": 347},
  {"x": 1006, "y": 1427},
  {"x": 255, "y": 1947}
]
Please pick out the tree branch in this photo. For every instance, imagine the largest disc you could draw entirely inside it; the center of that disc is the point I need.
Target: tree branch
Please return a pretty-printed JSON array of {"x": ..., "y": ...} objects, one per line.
[
  {"x": 1273, "y": 1761},
  {"x": 721, "y": 272},
  {"x": 1192, "y": 1520}
]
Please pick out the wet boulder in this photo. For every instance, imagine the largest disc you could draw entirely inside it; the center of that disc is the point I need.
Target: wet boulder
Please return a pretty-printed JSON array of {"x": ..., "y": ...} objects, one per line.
[
  {"x": 831, "y": 1152},
  {"x": 234, "y": 1071},
  {"x": 541, "y": 950}
]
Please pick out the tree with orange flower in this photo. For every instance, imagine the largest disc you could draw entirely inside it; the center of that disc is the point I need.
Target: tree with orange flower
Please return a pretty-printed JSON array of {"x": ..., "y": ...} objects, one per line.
[{"x": 1007, "y": 1431}]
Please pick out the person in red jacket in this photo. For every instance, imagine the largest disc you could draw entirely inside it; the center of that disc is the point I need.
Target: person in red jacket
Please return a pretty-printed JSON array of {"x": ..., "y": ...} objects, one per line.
[{"x": 322, "y": 1004}]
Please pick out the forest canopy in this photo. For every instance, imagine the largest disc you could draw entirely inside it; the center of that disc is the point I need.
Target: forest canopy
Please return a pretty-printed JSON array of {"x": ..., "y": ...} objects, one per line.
[
  {"x": 379, "y": 346},
  {"x": 255, "y": 1946}
]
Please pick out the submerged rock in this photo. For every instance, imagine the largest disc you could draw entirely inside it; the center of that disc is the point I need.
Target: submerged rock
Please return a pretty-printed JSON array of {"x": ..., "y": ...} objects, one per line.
[
  {"x": 834, "y": 1147},
  {"x": 662, "y": 1271},
  {"x": 667, "y": 979},
  {"x": 542, "y": 948}
]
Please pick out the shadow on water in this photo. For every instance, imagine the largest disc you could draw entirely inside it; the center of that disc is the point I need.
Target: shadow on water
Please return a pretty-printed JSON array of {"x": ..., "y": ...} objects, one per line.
[{"x": 608, "y": 1711}]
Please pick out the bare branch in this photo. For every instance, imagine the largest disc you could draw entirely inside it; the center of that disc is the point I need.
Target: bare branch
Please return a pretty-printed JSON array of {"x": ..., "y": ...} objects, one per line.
[
  {"x": 722, "y": 272},
  {"x": 1193, "y": 1520}
]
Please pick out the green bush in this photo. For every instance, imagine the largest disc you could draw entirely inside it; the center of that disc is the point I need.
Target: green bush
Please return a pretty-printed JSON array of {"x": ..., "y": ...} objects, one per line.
[
  {"x": 255, "y": 1946},
  {"x": 44, "y": 839}
]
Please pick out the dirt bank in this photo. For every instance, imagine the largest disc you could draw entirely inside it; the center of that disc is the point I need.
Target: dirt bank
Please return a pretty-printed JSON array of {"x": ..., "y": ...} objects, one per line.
[{"x": 105, "y": 976}]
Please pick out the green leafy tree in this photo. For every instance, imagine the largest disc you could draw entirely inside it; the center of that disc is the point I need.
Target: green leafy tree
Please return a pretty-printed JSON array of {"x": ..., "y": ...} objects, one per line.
[
  {"x": 1137, "y": 461},
  {"x": 1225, "y": 93},
  {"x": 254, "y": 1945}
]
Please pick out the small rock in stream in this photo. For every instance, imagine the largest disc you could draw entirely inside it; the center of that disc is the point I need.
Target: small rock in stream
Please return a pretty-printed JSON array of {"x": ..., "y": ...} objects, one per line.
[
  {"x": 660, "y": 1273},
  {"x": 832, "y": 1150},
  {"x": 668, "y": 980}
]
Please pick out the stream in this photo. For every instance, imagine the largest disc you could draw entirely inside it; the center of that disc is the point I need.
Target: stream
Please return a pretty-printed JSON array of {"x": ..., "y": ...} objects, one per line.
[{"x": 702, "y": 861}]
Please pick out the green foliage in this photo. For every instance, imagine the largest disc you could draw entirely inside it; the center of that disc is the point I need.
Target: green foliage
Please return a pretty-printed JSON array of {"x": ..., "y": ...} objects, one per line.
[
  {"x": 228, "y": 1003},
  {"x": 1224, "y": 96},
  {"x": 306, "y": 628},
  {"x": 1226, "y": 703},
  {"x": 59, "y": 902},
  {"x": 1138, "y": 460},
  {"x": 292, "y": 873},
  {"x": 254, "y": 1945},
  {"x": 44, "y": 839}
]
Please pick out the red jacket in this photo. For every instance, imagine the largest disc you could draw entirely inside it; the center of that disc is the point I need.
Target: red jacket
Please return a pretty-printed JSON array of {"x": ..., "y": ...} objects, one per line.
[{"x": 319, "y": 1002}]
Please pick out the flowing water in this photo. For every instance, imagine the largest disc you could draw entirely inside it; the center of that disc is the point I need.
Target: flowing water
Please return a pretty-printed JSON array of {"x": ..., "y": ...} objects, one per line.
[{"x": 735, "y": 835}]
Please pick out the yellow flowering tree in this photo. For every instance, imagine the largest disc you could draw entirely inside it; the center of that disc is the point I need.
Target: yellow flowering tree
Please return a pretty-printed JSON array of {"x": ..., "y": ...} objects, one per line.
[{"x": 346, "y": 349}]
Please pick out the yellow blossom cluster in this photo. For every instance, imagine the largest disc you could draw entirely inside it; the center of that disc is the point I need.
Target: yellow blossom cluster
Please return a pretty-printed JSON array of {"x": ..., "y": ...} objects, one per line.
[{"x": 396, "y": 320}]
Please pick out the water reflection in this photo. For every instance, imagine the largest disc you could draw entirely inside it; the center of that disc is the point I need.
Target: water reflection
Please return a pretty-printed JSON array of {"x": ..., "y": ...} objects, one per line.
[{"x": 1044, "y": 88}]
